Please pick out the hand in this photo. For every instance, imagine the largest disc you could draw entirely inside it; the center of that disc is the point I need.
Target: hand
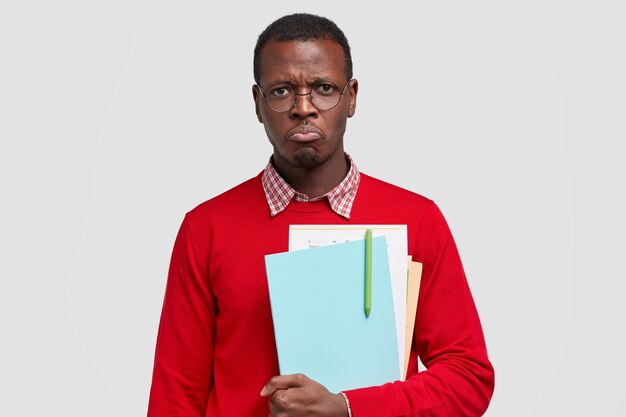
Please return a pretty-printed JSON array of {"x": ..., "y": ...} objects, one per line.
[{"x": 299, "y": 396}]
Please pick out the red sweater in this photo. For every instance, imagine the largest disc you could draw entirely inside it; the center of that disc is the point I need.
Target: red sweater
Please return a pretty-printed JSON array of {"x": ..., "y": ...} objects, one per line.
[{"x": 215, "y": 348}]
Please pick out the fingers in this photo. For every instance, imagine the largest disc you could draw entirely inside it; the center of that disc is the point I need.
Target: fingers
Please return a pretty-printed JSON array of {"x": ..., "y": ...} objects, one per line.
[
  {"x": 286, "y": 401},
  {"x": 280, "y": 398},
  {"x": 283, "y": 382}
]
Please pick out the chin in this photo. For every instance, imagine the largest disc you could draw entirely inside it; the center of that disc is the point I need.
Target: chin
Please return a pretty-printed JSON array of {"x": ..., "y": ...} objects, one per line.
[{"x": 308, "y": 158}]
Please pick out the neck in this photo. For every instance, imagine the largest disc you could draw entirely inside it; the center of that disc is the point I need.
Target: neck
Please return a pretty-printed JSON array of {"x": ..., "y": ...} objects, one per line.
[{"x": 314, "y": 181}]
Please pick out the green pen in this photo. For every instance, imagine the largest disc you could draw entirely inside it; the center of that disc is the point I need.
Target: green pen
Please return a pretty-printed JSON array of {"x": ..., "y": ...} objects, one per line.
[{"x": 368, "y": 272}]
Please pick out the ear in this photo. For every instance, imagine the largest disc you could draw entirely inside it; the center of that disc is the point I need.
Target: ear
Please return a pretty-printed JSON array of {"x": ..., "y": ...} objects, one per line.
[
  {"x": 256, "y": 95},
  {"x": 353, "y": 90}
]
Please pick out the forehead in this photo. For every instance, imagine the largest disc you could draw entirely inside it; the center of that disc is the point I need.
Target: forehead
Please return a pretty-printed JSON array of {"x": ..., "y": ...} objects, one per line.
[{"x": 302, "y": 61}]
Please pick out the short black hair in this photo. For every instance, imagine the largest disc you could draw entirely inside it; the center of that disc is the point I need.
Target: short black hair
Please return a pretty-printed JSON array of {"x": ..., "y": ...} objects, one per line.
[{"x": 301, "y": 27}]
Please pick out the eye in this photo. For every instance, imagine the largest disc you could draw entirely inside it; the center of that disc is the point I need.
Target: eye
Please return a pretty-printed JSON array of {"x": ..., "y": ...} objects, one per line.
[
  {"x": 281, "y": 91},
  {"x": 326, "y": 89}
]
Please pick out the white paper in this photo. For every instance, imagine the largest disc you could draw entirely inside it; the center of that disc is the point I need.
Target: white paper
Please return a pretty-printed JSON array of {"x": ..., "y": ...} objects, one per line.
[{"x": 304, "y": 236}]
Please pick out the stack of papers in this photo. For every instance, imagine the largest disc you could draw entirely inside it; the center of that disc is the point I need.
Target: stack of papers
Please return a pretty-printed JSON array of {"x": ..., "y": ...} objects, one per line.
[{"x": 317, "y": 299}]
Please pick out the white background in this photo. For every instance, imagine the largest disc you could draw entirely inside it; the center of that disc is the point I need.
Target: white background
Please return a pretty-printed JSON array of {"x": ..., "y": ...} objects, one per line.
[{"x": 117, "y": 117}]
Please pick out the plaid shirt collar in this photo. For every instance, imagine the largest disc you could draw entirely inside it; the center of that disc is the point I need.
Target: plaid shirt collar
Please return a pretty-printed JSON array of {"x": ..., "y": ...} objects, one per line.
[{"x": 279, "y": 194}]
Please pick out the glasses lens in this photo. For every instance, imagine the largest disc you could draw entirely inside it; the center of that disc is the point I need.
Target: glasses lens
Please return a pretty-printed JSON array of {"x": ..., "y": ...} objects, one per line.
[
  {"x": 325, "y": 96},
  {"x": 280, "y": 98}
]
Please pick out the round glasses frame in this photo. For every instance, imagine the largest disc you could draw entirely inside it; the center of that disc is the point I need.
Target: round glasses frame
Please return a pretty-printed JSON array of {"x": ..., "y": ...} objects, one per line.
[{"x": 310, "y": 94}]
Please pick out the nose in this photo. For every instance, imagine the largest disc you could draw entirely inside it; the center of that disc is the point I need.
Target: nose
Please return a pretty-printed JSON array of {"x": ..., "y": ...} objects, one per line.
[{"x": 304, "y": 107}]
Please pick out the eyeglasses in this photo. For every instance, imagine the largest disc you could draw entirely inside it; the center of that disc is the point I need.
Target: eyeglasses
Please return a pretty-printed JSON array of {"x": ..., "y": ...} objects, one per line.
[{"x": 324, "y": 95}]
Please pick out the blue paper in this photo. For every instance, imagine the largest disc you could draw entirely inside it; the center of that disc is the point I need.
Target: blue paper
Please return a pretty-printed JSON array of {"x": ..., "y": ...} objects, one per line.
[{"x": 317, "y": 299}]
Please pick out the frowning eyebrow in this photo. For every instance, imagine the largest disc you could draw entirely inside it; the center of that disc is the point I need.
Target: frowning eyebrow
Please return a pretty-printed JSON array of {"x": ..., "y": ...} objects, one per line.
[{"x": 315, "y": 80}]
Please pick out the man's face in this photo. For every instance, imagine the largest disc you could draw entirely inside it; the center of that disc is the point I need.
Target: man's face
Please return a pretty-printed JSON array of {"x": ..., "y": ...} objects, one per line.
[{"x": 304, "y": 137}]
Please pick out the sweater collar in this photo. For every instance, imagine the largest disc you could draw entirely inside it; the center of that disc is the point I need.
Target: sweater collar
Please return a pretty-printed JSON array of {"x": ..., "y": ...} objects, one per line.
[{"x": 279, "y": 193}]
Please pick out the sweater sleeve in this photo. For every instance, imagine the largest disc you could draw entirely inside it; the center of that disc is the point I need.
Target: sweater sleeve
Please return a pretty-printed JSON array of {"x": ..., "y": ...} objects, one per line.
[
  {"x": 448, "y": 338},
  {"x": 183, "y": 364}
]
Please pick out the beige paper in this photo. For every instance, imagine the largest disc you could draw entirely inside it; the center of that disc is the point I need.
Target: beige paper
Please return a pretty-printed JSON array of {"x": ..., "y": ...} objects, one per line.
[{"x": 414, "y": 278}]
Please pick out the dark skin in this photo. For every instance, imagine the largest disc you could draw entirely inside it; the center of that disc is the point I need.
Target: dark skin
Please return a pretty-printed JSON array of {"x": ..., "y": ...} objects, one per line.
[
  {"x": 314, "y": 167},
  {"x": 313, "y": 163}
]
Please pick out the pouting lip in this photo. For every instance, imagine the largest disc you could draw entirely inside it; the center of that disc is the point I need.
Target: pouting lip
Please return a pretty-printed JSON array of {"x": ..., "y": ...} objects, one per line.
[{"x": 304, "y": 133}]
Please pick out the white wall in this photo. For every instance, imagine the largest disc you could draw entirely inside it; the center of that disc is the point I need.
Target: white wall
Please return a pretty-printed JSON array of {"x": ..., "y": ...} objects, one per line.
[{"x": 116, "y": 117}]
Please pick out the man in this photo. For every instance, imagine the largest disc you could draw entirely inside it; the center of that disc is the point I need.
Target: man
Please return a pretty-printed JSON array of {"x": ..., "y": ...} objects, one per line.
[{"x": 216, "y": 349}]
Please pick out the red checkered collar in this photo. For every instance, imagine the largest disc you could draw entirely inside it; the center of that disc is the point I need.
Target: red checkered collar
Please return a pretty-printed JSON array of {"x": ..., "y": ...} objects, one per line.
[{"x": 279, "y": 194}]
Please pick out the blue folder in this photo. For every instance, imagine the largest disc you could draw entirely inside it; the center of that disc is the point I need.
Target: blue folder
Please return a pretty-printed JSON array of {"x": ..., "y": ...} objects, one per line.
[{"x": 317, "y": 300}]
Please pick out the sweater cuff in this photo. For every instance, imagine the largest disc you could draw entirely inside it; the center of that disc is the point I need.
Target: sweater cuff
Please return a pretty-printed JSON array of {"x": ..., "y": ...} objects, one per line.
[{"x": 345, "y": 397}]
